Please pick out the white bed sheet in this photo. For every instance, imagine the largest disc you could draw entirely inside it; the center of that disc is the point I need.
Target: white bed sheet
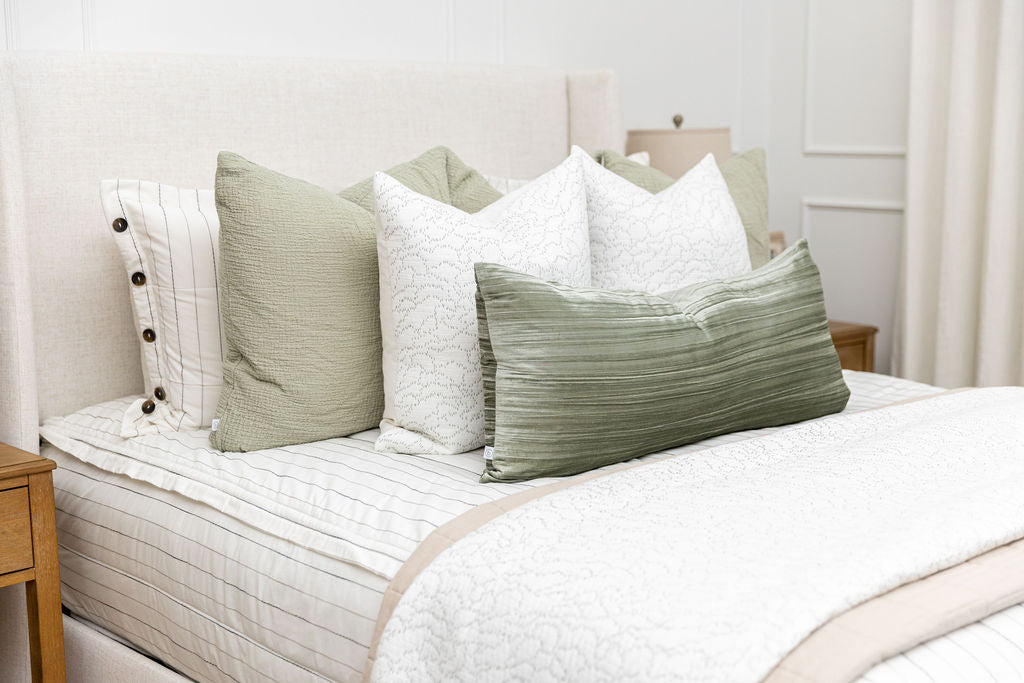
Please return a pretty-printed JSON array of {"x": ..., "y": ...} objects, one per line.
[{"x": 271, "y": 565}]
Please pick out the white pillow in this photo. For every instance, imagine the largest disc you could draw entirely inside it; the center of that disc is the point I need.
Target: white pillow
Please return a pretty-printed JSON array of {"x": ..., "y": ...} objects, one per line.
[
  {"x": 689, "y": 232},
  {"x": 640, "y": 158},
  {"x": 168, "y": 241},
  {"x": 506, "y": 185},
  {"x": 433, "y": 384}
]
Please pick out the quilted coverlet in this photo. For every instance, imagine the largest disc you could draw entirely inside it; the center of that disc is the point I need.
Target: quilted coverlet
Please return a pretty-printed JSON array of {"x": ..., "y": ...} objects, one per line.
[{"x": 714, "y": 565}]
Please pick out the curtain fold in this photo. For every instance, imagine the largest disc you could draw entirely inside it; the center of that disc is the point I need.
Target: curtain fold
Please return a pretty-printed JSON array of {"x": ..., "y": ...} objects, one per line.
[{"x": 961, "y": 312}]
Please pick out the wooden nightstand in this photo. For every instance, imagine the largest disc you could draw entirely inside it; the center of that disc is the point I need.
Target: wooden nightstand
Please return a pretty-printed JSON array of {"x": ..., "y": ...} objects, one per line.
[
  {"x": 28, "y": 554},
  {"x": 855, "y": 344}
]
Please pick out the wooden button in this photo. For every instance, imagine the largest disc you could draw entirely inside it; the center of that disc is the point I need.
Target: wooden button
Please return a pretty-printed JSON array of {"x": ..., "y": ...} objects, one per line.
[
  {"x": 148, "y": 406},
  {"x": 119, "y": 224},
  {"x": 159, "y": 393},
  {"x": 138, "y": 279},
  {"x": 149, "y": 335}
]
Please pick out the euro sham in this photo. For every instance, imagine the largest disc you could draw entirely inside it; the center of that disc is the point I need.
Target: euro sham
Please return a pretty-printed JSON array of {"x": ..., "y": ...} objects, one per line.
[
  {"x": 689, "y": 232},
  {"x": 745, "y": 174},
  {"x": 300, "y": 299},
  {"x": 578, "y": 378}
]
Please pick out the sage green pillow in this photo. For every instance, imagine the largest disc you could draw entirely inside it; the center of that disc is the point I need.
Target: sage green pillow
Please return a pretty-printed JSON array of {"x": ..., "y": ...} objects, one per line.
[
  {"x": 577, "y": 378},
  {"x": 299, "y": 299},
  {"x": 746, "y": 175},
  {"x": 437, "y": 173}
]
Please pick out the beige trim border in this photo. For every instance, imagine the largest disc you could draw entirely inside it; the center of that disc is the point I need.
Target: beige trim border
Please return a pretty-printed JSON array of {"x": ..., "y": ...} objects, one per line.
[
  {"x": 448, "y": 534},
  {"x": 853, "y": 641}
]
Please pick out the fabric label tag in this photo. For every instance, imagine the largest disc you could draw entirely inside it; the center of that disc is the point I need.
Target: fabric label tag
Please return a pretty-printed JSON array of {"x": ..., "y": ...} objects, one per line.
[
  {"x": 488, "y": 452},
  {"x": 214, "y": 424}
]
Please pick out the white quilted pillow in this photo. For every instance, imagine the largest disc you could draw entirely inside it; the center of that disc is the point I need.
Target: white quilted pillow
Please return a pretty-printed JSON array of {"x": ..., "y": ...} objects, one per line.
[
  {"x": 167, "y": 237},
  {"x": 433, "y": 385},
  {"x": 506, "y": 185},
  {"x": 689, "y": 232}
]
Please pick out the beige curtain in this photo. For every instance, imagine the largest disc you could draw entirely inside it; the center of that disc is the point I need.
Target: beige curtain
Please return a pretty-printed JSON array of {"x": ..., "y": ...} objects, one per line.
[{"x": 961, "y": 313}]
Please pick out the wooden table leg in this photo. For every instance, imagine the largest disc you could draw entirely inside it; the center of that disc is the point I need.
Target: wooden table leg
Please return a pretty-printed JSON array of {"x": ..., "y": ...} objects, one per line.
[{"x": 45, "y": 625}]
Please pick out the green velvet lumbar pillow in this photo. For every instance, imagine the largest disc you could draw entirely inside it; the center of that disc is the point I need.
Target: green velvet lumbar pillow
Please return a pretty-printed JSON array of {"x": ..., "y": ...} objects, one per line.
[
  {"x": 299, "y": 298},
  {"x": 746, "y": 175},
  {"x": 577, "y": 378}
]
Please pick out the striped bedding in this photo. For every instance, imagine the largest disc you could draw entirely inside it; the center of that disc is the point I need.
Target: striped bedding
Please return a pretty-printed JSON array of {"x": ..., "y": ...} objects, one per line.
[{"x": 272, "y": 565}]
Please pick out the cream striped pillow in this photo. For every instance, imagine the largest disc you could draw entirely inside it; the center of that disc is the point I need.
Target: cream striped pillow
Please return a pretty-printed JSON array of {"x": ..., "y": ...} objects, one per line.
[{"x": 167, "y": 237}]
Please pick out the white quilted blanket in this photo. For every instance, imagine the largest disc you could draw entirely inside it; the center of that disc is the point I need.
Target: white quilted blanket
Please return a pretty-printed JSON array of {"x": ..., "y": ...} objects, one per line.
[{"x": 715, "y": 564}]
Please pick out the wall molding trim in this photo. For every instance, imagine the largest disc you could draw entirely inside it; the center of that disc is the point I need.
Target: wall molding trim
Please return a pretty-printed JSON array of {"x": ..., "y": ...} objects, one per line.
[
  {"x": 810, "y": 147},
  {"x": 499, "y": 32},
  {"x": 736, "y": 129},
  {"x": 449, "y": 31},
  {"x": 894, "y": 151},
  {"x": 861, "y": 205},
  {"x": 88, "y": 25},
  {"x": 10, "y": 24}
]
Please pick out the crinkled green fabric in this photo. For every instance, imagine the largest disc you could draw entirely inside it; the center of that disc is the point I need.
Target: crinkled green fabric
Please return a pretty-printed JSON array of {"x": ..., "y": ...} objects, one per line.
[{"x": 578, "y": 378}]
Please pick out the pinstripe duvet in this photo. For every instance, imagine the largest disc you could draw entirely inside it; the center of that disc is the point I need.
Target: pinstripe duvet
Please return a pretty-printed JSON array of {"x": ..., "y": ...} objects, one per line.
[{"x": 272, "y": 565}]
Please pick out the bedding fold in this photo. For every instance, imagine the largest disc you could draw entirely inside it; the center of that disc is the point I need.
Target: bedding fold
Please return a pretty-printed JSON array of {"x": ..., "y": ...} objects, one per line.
[{"x": 727, "y": 559}]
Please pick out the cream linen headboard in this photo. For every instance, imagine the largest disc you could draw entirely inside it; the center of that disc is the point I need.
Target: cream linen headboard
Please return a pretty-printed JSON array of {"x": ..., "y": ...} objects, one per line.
[{"x": 69, "y": 120}]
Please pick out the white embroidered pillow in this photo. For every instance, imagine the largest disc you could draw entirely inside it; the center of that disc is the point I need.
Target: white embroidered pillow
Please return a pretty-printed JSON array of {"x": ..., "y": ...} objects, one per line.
[
  {"x": 433, "y": 384},
  {"x": 167, "y": 237},
  {"x": 689, "y": 232}
]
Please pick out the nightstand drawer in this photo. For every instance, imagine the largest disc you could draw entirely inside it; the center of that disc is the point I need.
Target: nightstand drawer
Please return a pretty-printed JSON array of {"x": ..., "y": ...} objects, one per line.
[
  {"x": 15, "y": 530},
  {"x": 855, "y": 344},
  {"x": 853, "y": 356}
]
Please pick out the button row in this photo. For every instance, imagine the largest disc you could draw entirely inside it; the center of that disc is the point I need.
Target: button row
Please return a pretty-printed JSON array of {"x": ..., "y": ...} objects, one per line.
[
  {"x": 148, "y": 335},
  {"x": 148, "y": 406}
]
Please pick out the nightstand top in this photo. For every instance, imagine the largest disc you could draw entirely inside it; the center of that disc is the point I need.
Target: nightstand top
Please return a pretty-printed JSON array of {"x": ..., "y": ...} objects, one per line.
[
  {"x": 842, "y": 331},
  {"x": 15, "y": 462}
]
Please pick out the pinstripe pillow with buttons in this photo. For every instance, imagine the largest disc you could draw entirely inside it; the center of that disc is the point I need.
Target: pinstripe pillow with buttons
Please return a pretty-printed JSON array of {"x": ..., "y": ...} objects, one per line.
[{"x": 167, "y": 237}]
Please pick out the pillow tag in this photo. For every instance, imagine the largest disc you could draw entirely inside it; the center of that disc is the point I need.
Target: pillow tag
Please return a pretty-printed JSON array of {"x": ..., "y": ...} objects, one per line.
[
  {"x": 214, "y": 423},
  {"x": 488, "y": 452}
]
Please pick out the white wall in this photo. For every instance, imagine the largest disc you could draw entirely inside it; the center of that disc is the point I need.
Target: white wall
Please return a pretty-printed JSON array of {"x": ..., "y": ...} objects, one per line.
[
  {"x": 836, "y": 146},
  {"x": 822, "y": 84}
]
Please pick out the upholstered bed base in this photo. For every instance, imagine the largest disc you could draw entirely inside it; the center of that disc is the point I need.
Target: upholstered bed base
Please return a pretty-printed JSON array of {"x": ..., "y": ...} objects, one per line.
[{"x": 91, "y": 655}]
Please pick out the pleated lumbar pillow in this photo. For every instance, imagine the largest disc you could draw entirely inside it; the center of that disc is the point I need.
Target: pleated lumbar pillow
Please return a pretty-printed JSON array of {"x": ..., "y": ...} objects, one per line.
[
  {"x": 687, "y": 233},
  {"x": 745, "y": 174},
  {"x": 300, "y": 299},
  {"x": 578, "y": 378},
  {"x": 434, "y": 396},
  {"x": 167, "y": 237}
]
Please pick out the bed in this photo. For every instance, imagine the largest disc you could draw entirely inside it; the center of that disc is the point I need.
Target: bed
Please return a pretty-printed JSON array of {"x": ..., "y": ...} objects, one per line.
[
  {"x": 160, "y": 547},
  {"x": 272, "y": 566}
]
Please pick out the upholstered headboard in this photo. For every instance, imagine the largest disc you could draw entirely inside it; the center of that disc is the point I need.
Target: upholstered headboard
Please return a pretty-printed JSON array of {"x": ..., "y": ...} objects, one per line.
[{"x": 69, "y": 120}]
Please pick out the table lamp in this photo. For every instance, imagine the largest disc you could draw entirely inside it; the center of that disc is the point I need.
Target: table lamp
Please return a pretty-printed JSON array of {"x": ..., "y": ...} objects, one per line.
[{"x": 676, "y": 151}]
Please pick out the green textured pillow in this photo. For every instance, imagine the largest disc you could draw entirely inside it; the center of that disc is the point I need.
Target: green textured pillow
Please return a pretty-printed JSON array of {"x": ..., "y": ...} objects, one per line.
[
  {"x": 437, "y": 173},
  {"x": 746, "y": 175},
  {"x": 299, "y": 299},
  {"x": 578, "y": 378}
]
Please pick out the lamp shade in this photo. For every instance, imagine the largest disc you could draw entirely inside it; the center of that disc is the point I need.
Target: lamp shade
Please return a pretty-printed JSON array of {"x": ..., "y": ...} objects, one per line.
[{"x": 677, "y": 151}]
